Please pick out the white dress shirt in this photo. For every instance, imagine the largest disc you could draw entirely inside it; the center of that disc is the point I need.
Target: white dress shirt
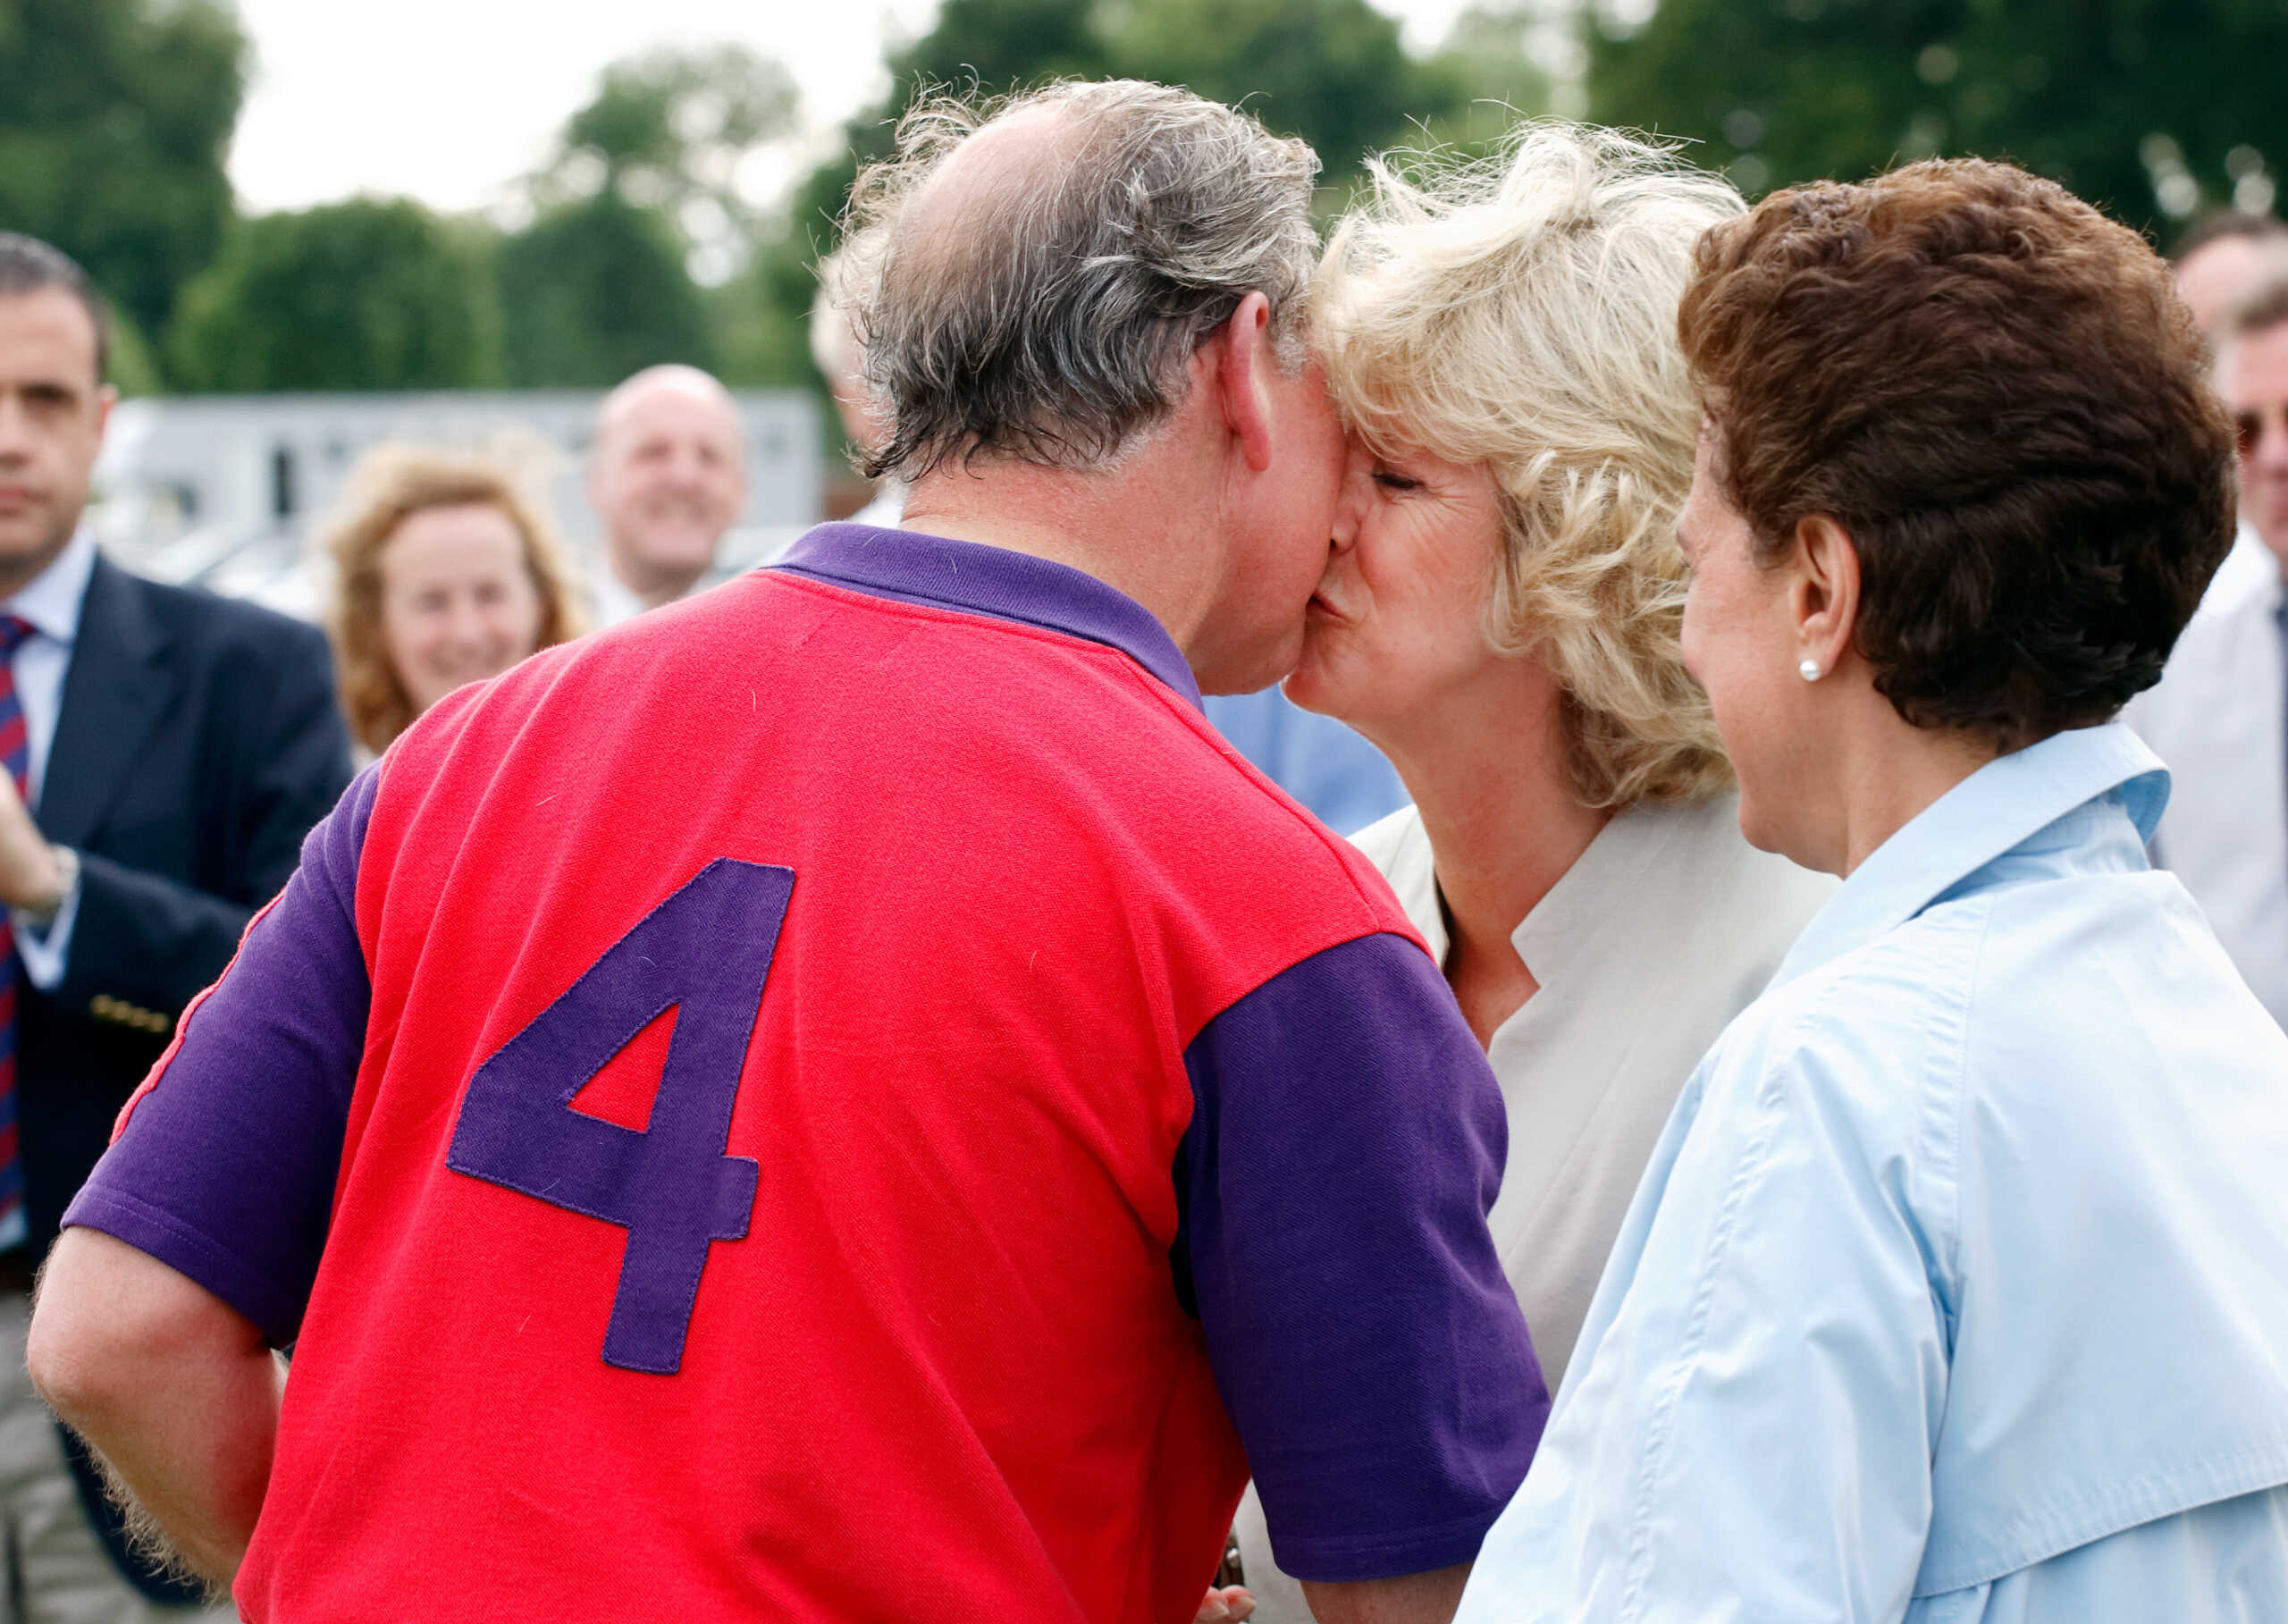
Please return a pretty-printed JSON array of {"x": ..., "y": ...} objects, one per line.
[
  {"x": 2246, "y": 567},
  {"x": 1667, "y": 927},
  {"x": 1957, "y": 1289},
  {"x": 50, "y": 603},
  {"x": 887, "y": 510},
  {"x": 2219, "y": 720},
  {"x": 612, "y": 599}
]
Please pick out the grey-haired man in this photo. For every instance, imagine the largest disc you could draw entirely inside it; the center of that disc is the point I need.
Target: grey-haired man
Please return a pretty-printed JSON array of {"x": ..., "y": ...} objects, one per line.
[{"x": 1107, "y": 1133}]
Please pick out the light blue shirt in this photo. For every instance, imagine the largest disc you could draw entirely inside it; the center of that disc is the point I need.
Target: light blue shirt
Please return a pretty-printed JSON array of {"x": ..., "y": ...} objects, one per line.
[
  {"x": 50, "y": 604},
  {"x": 1957, "y": 1286},
  {"x": 1344, "y": 781}
]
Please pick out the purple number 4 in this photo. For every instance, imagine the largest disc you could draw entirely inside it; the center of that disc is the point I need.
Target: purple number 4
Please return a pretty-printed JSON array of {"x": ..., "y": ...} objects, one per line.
[{"x": 704, "y": 952}]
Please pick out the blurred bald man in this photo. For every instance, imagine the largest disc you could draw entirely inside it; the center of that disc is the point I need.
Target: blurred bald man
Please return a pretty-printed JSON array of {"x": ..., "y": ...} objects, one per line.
[
  {"x": 668, "y": 476},
  {"x": 2221, "y": 259}
]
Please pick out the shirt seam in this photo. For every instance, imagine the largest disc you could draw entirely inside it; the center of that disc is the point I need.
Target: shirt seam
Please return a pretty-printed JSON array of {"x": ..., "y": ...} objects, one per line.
[
  {"x": 1338, "y": 850},
  {"x": 1748, "y": 1176},
  {"x": 2149, "y": 1497},
  {"x": 1313, "y": 1549},
  {"x": 1043, "y": 630},
  {"x": 1961, "y": 1080},
  {"x": 128, "y": 1206}
]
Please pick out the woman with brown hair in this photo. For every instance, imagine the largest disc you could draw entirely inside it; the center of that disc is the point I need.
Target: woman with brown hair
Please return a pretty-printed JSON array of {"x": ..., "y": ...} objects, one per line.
[
  {"x": 1957, "y": 1287},
  {"x": 445, "y": 574}
]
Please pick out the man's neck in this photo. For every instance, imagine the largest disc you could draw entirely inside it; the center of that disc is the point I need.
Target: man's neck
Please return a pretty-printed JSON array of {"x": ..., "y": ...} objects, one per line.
[
  {"x": 1109, "y": 524},
  {"x": 651, "y": 588},
  {"x": 17, "y": 574}
]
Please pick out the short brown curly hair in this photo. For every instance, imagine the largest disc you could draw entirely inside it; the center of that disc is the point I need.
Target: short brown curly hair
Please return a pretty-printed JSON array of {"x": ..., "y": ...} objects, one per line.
[{"x": 1996, "y": 392}]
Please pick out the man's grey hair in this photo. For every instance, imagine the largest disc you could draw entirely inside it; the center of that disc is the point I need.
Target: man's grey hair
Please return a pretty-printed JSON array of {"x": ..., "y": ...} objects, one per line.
[{"x": 1050, "y": 319}]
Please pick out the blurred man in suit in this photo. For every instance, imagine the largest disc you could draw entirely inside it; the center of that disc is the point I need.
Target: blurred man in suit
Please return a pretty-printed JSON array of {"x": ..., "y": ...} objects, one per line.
[
  {"x": 2220, "y": 261},
  {"x": 165, "y": 753},
  {"x": 2219, "y": 717}
]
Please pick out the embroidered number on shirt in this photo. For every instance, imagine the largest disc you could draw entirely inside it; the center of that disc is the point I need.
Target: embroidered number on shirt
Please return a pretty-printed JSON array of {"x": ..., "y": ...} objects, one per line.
[{"x": 705, "y": 953}]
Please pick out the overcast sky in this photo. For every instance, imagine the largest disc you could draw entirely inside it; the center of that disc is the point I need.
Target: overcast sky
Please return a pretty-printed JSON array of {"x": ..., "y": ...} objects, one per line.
[{"x": 450, "y": 101}]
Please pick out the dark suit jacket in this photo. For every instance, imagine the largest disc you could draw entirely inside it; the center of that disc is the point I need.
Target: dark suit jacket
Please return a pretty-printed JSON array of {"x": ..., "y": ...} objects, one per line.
[{"x": 198, "y": 743}]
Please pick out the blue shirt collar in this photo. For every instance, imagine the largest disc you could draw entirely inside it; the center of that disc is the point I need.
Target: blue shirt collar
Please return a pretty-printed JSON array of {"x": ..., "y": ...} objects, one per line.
[
  {"x": 1995, "y": 809},
  {"x": 51, "y": 599},
  {"x": 911, "y": 568}
]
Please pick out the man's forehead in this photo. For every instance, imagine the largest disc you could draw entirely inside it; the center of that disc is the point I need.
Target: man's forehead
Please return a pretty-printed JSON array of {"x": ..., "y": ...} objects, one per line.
[
  {"x": 2221, "y": 256},
  {"x": 2255, "y": 369},
  {"x": 44, "y": 331},
  {"x": 669, "y": 406},
  {"x": 2215, "y": 276}
]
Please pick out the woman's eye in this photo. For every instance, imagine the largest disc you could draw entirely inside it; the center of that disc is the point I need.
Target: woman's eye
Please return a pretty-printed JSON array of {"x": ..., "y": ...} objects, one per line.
[{"x": 1392, "y": 481}]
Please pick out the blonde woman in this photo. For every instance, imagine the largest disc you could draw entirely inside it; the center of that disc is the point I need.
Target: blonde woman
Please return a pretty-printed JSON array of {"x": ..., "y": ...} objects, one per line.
[
  {"x": 445, "y": 574},
  {"x": 1500, "y": 615}
]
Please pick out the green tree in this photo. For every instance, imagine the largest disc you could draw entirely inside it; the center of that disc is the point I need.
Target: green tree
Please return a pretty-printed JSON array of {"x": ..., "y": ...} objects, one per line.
[
  {"x": 2148, "y": 108},
  {"x": 990, "y": 45},
  {"x": 596, "y": 290},
  {"x": 115, "y": 116},
  {"x": 645, "y": 242},
  {"x": 374, "y": 294},
  {"x": 999, "y": 44},
  {"x": 668, "y": 131},
  {"x": 134, "y": 365},
  {"x": 1487, "y": 72},
  {"x": 1330, "y": 70},
  {"x": 994, "y": 45}
]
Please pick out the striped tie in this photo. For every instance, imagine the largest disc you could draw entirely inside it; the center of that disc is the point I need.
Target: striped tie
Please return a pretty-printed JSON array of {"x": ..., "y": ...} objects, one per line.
[{"x": 15, "y": 752}]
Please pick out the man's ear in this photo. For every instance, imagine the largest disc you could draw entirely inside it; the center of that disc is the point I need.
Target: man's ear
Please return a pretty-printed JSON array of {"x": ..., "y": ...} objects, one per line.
[
  {"x": 1825, "y": 596},
  {"x": 1241, "y": 355}
]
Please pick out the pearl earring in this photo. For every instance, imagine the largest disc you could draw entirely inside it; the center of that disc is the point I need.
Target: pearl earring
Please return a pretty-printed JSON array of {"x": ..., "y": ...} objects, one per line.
[{"x": 1809, "y": 670}]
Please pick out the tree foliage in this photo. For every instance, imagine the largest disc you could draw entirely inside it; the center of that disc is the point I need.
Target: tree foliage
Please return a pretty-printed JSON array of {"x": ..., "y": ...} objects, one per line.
[
  {"x": 668, "y": 130},
  {"x": 593, "y": 290},
  {"x": 115, "y": 116},
  {"x": 1491, "y": 74},
  {"x": 1332, "y": 71},
  {"x": 1001, "y": 44},
  {"x": 374, "y": 294},
  {"x": 2148, "y": 108}
]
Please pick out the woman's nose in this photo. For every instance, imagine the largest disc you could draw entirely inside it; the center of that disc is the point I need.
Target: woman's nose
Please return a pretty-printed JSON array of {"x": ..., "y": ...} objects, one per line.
[{"x": 1351, "y": 508}]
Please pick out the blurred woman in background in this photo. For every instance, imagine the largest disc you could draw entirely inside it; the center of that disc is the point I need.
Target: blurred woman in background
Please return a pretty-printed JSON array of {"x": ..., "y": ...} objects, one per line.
[
  {"x": 445, "y": 574},
  {"x": 1500, "y": 615}
]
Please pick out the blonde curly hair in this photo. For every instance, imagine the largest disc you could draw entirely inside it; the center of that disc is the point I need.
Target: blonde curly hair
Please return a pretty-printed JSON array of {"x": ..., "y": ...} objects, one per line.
[
  {"x": 390, "y": 484},
  {"x": 1520, "y": 311}
]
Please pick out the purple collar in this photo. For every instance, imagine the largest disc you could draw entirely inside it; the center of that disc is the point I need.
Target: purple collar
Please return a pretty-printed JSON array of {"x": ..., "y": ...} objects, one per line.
[{"x": 911, "y": 567}]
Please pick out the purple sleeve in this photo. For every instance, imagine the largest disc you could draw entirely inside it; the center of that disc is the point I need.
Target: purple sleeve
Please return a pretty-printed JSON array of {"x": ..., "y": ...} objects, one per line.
[
  {"x": 225, "y": 1169},
  {"x": 1345, "y": 1147}
]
